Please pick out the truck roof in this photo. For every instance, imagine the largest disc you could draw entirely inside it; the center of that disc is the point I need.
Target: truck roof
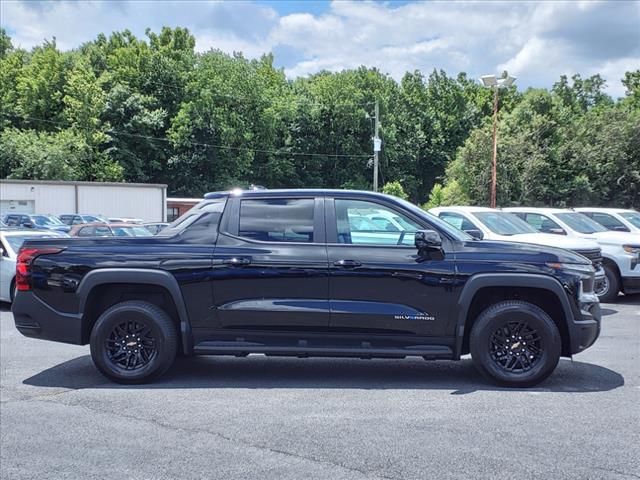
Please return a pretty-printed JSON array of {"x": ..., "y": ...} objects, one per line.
[{"x": 296, "y": 192}]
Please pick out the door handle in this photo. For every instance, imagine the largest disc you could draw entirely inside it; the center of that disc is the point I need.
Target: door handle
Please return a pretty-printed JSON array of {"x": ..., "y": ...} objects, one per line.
[
  {"x": 347, "y": 263},
  {"x": 237, "y": 261}
]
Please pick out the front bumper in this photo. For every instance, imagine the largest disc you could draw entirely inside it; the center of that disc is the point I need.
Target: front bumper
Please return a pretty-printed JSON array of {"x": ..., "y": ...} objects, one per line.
[
  {"x": 631, "y": 284},
  {"x": 50, "y": 324},
  {"x": 584, "y": 328}
]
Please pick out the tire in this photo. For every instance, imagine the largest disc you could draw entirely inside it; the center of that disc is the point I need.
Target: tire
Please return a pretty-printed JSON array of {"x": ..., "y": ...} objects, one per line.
[
  {"x": 133, "y": 342},
  {"x": 495, "y": 337},
  {"x": 611, "y": 285}
]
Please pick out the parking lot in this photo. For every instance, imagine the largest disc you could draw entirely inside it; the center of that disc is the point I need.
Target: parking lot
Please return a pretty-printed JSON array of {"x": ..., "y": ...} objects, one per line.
[{"x": 320, "y": 418}]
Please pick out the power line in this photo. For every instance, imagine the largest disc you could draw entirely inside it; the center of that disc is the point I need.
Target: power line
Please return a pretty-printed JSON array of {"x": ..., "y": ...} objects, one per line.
[{"x": 200, "y": 144}]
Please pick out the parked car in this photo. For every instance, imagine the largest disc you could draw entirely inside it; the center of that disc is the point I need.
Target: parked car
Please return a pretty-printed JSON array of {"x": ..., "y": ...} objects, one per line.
[
  {"x": 156, "y": 227},
  {"x": 137, "y": 221},
  {"x": 616, "y": 219},
  {"x": 620, "y": 250},
  {"x": 284, "y": 272},
  {"x": 109, "y": 230},
  {"x": 77, "y": 218},
  {"x": 492, "y": 224},
  {"x": 11, "y": 239},
  {"x": 38, "y": 221}
]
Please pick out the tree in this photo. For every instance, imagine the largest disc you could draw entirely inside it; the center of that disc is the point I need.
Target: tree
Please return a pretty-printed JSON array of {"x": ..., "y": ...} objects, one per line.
[{"x": 395, "y": 189}]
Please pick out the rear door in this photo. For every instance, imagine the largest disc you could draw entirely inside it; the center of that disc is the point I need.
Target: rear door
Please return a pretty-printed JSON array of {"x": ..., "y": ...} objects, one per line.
[
  {"x": 378, "y": 282},
  {"x": 270, "y": 264}
]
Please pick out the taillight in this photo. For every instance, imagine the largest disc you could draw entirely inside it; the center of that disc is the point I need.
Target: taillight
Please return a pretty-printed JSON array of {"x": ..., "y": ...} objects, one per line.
[{"x": 26, "y": 255}]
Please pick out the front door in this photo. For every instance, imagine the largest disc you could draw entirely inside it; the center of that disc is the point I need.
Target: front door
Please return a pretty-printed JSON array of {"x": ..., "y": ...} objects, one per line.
[
  {"x": 270, "y": 266},
  {"x": 378, "y": 282}
]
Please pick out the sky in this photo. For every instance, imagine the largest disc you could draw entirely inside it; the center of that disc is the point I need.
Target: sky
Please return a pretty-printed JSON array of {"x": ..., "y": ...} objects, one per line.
[{"x": 535, "y": 41}]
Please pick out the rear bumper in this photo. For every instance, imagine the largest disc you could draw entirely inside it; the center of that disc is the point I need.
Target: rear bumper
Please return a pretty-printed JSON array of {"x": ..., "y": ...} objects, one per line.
[
  {"x": 631, "y": 284},
  {"x": 36, "y": 319}
]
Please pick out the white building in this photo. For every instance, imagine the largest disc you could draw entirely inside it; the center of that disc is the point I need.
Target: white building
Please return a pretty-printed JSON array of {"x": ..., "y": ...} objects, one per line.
[{"x": 137, "y": 200}]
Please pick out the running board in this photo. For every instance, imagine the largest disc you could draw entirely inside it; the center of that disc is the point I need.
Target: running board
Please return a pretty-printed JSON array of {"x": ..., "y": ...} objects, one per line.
[{"x": 365, "y": 351}]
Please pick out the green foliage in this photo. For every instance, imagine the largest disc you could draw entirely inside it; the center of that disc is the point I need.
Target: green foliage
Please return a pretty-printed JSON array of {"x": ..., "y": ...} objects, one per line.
[
  {"x": 451, "y": 194},
  {"x": 395, "y": 189},
  {"x": 151, "y": 109},
  {"x": 551, "y": 152},
  {"x": 43, "y": 155}
]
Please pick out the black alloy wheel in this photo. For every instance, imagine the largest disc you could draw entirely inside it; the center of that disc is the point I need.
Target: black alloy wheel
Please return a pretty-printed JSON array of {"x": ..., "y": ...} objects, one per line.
[
  {"x": 515, "y": 347},
  {"x": 131, "y": 345}
]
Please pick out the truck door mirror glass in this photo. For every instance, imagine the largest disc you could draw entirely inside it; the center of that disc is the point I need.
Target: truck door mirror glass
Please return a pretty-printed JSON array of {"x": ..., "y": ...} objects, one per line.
[
  {"x": 427, "y": 239},
  {"x": 475, "y": 233},
  {"x": 557, "y": 231}
]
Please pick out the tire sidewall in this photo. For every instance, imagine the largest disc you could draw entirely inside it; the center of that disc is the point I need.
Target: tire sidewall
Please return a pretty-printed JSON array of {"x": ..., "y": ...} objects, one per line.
[
  {"x": 164, "y": 354},
  {"x": 614, "y": 285},
  {"x": 494, "y": 318}
]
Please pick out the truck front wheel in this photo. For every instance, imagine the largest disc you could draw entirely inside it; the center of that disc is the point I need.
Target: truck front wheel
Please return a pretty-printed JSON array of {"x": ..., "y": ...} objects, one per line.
[
  {"x": 515, "y": 344},
  {"x": 133, "y": 342}
]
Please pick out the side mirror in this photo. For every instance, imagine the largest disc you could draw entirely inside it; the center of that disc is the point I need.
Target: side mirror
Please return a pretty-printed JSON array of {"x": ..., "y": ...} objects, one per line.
[
  {"x": 427, "y": 239},
  {"x": 27, "y": 224},
  {"x": 620, "y": 228},
  {"x": 475, "y": 233},
  {"x": 557, "y": 231}
]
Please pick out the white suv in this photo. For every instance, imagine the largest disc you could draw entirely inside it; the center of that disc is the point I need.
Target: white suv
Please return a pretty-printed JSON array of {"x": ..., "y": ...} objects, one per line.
[
  {"x": 491, "y": 224},
  {"x": 616, "y": 219},
  {"x": 620, "y": 250}
]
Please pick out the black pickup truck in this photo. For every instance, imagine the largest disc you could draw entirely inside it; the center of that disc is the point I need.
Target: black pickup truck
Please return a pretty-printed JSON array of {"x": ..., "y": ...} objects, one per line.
[{"x": 308, "y": 273}]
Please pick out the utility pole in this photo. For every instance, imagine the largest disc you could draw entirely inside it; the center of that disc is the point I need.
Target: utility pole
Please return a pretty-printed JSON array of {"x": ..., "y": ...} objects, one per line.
[
  {"x": 494, "y": 159},
  {"x": 495, "y": 83},
  {"x": 376, "y": 147}
]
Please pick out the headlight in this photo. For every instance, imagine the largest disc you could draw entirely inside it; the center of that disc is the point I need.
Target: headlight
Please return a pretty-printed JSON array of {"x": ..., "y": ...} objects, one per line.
[
  {"x": 634, "y": 249},
  {"x": 574, "y": 267}
]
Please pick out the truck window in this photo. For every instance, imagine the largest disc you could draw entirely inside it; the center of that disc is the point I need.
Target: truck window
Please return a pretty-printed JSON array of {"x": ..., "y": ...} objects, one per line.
[
  {"x": 386, "y": 226},
  {"x": 277, "y": 220},
  {"x": 609, "y": 222},
  {"x": 457, "y": 221}
]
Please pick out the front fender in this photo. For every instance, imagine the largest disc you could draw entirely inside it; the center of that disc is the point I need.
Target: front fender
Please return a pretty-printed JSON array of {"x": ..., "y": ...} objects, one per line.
[{"x": 518, "y": 280}]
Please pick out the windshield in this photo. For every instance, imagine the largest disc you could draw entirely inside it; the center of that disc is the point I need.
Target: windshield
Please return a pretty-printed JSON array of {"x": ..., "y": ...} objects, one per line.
[
  {"x": 504, "y": 223},
  {"x": 43, "y": 220},
  {"x": 131, "y": 232},
  {"x": 452, "y": 231},
  {"x": 632, "y": 217},
  {"x": 580, "y": 223},
  {"x": 93, "y": 219}
]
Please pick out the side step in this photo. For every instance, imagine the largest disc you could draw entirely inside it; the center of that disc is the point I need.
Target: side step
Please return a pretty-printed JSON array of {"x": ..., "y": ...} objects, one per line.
[{"x": 365, "y": 351}]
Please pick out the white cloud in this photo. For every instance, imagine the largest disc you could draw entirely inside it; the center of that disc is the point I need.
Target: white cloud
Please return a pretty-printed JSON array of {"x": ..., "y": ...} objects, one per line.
[{"x": 535, "y": 41}]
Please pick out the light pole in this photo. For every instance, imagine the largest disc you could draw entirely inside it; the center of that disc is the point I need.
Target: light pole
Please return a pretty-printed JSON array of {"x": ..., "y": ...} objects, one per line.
[{"x": 495, "y": 83}]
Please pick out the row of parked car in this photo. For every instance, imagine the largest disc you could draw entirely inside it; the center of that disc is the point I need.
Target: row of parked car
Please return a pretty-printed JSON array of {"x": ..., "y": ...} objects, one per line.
[
  {"x": 610, "y": 237},
  {"x": 83, "y": 225}
]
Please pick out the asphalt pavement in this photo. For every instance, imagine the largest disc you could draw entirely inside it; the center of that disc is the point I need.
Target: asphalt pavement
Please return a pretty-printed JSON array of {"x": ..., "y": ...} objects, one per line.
[{"x": 279, "y": 418}]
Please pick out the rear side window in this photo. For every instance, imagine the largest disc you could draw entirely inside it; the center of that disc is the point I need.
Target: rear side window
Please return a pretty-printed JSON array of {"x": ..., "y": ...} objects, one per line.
[{"x": 277, "y": 220}]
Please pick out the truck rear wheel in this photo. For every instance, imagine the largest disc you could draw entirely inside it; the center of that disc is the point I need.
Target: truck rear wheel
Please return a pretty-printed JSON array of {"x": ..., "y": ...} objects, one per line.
[
  {"x": 133, "y": 342},
  {"x": 515, "y": 344}
]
